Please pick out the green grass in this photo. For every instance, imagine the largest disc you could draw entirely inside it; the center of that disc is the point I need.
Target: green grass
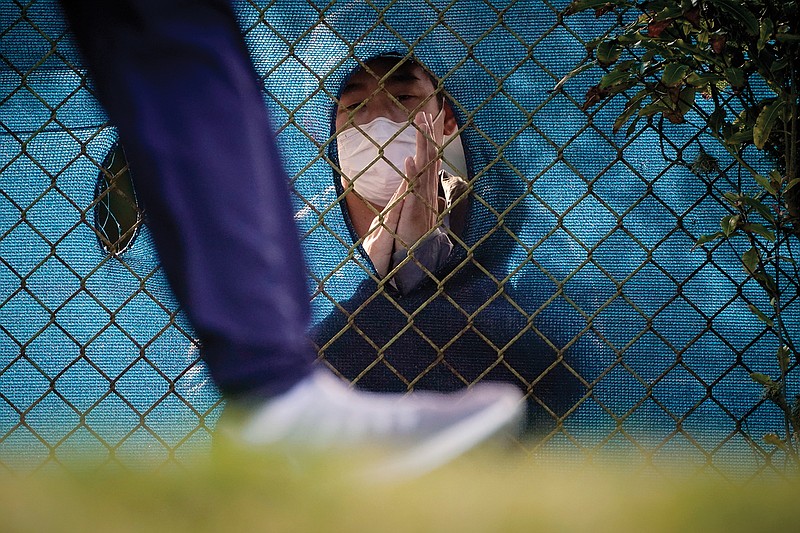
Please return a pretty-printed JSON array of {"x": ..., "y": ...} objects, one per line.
[{"x": 485, "y": 491}]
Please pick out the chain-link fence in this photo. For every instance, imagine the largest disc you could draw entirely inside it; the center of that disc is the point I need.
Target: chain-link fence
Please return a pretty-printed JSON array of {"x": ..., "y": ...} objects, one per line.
[{"x": 573, "y": 278}]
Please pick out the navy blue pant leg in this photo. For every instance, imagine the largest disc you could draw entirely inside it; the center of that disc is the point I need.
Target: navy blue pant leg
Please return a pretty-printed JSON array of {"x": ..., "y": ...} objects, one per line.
[{"x": 176, "y": 79}]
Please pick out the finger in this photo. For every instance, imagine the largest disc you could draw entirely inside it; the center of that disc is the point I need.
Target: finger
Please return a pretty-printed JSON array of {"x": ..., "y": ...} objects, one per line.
[
  {"x": 422, "y": 160},
  {"x": 438, "y": 128},
  {"x": 422, "y": 170},
  {"x": 418, "y": 176},
  {"x": 431, "y": 141},
  {"x": 433, "y": 166},
  {"x": 422, "y": 157},
  {"x": 419, "y": 156},
  {"x": 411, "y": 170},
  {"x": 400, "y": 193},
  {"x": 393, "y": 216}
]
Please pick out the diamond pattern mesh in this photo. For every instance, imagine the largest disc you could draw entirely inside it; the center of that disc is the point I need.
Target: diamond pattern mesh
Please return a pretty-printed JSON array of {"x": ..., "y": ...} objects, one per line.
[{"x": 574, "y": 278}]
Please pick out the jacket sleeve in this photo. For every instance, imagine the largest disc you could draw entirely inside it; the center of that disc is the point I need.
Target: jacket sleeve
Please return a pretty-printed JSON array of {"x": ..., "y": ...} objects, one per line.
[{"x": 429, "y": 256}]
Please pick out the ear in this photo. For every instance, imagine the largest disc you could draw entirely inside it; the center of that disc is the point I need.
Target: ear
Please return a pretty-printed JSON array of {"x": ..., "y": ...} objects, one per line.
[{"x": 450, "y": 124}]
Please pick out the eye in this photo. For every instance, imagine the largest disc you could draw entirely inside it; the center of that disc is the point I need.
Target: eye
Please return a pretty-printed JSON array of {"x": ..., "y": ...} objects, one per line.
[{"x": 347, "y": 107}]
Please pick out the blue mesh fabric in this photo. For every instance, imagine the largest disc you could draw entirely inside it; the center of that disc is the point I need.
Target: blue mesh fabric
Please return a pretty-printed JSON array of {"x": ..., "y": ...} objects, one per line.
[
  {"x": 576, "y": 279},
  {"x": 92, "y": 353}
]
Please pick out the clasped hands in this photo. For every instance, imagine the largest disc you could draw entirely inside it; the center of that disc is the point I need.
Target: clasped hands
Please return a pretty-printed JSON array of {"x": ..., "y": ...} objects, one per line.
[{"x": 413, "y": 210}]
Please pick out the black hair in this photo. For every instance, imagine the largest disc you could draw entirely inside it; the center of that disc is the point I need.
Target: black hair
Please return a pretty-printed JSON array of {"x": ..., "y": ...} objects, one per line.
[{"x": 399, "y": 58}]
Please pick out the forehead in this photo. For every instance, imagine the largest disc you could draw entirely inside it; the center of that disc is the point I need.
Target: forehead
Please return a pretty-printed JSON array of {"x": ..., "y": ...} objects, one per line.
[{"x": 387, "y": 69}]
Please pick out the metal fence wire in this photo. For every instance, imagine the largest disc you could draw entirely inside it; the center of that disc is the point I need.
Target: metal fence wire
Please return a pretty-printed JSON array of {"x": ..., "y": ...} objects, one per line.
[{"x": 574, "y": 277}]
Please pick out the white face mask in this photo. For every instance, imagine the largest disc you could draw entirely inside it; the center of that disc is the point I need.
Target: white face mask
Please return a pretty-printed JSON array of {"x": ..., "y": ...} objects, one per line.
[{"x": 374, "y": 176}]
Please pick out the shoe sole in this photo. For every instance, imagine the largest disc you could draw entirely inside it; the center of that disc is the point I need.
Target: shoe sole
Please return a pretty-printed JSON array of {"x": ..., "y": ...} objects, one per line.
[{"x": 451, "y": 442}]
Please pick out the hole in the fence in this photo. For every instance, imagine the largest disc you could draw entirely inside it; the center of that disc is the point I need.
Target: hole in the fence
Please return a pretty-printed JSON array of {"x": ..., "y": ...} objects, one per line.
[
  {"x": 403, "y": 168},
  {"x": 117, "y": 215}
]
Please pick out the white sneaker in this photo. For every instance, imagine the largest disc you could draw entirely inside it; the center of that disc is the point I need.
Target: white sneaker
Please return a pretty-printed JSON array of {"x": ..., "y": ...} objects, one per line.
[{"x": 422, "y": 430}]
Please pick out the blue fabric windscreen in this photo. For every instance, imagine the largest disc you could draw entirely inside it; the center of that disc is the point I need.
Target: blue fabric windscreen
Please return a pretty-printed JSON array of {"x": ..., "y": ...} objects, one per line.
[{"x": 576, "y": 278}]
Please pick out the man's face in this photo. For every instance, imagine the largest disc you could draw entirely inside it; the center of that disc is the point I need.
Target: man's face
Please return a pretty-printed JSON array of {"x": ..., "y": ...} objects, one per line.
[{"x": 404, "y": 93}]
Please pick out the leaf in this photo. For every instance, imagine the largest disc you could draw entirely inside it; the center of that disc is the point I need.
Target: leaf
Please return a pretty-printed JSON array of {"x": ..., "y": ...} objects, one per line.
[
  {"x": 761, "y": 230},
  {"x": 732, "y": 198},
  {"x": 743, "y": 15},
  {"x": 760, "y": 315},
  {"x": 708, "y": 238},
  {"x": 717, "y": 118},
  {"x": 765, "y": 122},
  {"x": 787, "y": 37},
  {"x": 631, "y": 37},
  {"x": 765, "y": 183},
  {"x": 693, "y": 16},
  {"x": 594, "y": 95},
  {"x": 783, "y": 359},
  {"x": 718, "y": 42},
  {"x": 765, "y": 33},
  {"x": 608, "y": 52},
  {"x": 759, "y": 206},
  {"x": 621, "y": 87},
  {"x": 582, "y": 5},
  {"x": 739, "y": 137},
  {"x": 669, "y": 11},
  {"x": 780, "y": 64},
  {"x": 702, "y": 80},
  {"x": 767, "y": 283},
  {"x": 620, "y": 74},
  {"x": 631, "y": 108},
  {"x": 736, "y": 77},
  {"x": 600, "y": 11},
  {"x": 659, "y": 106},
  {"x": 751, "y": 260},
  {"x": 657, "y": 27},
  {"x": 704, "y": 163},
  {"x": 673, "y": 74},
  {"x": 572, "y": 74},
  {"x": 686, "y": 99},
  {"x": 649, "y": 55},
  {"x": 703, "y": 37},
  {"x": 632, "y": 126},
  {"x": 729, "y": 224},
  {"x": 762, "y": 379},
  {"x": 775, "y": 440},
  {"x": 792, "y": 184},
  {"x": 614, "y": 77}
]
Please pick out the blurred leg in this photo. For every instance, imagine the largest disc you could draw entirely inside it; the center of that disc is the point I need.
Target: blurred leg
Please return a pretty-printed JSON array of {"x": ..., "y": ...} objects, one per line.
[{"x": 176, "y": 79}]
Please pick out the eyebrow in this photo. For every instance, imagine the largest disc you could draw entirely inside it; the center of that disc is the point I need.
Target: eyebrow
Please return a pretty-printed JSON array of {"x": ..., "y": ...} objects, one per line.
[{"x": 396, "y": 77}]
